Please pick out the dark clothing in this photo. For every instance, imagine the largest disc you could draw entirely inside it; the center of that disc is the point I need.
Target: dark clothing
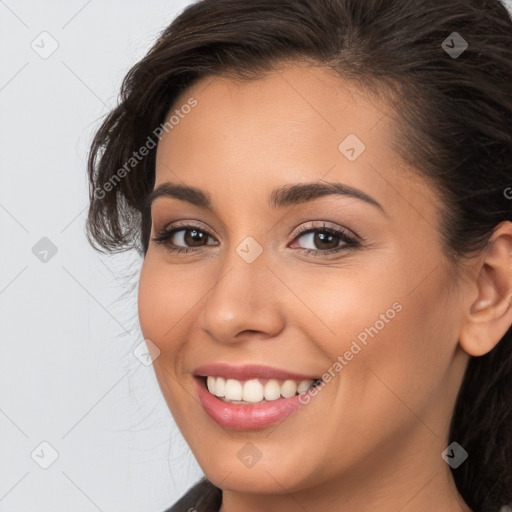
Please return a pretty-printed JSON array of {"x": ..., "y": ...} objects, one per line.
[{"x": 202, "y": 497}]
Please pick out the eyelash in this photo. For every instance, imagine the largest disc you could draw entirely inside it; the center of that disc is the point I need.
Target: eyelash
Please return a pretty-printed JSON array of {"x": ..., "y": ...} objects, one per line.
[{"x": 351, "y": 242}]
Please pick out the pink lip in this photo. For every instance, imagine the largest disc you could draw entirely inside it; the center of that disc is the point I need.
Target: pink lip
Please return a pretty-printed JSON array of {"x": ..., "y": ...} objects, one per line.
[
  {"x": 245, "y": 417},
  {"x": 246, "y": 372}
]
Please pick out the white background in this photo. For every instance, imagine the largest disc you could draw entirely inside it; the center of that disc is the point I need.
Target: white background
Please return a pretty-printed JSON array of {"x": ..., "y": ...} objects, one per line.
[{"x": 69, "y": 326}]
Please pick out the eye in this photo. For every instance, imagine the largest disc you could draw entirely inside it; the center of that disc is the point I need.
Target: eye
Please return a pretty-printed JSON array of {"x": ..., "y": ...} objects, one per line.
[
  {"x": 183, "y": 238},
  {"x": 326, "y": 239}
]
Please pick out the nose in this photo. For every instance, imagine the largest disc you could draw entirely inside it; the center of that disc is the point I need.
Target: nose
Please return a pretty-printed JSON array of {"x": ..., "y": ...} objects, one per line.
[{"x": 243, "y": 303}]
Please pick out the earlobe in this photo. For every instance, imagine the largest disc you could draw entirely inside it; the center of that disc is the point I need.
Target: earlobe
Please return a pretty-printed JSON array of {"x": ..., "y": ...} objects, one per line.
[{"x": 490, "y": 315}]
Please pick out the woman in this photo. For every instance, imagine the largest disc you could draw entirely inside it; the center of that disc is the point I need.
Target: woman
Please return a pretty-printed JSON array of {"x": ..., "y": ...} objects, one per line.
[{"x": 321, "y": 191}]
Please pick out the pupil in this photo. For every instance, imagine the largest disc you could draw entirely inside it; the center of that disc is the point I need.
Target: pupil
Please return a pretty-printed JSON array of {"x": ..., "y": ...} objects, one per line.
[
  {"x": 321, "y": 238},
  {"x": 195, "y": 236}
]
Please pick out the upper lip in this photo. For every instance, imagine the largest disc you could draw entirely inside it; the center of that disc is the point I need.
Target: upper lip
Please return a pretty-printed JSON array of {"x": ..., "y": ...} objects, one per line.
[{"x": 248, "y": 371}]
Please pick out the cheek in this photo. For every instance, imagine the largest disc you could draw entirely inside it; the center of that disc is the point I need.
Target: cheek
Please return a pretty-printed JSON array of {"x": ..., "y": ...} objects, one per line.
[
  {"x": 408, "y": 357},
  {"x": 349, "y": 305},
  {"x": 165, "y": 298},
  {"x": 382, "y": 326}
]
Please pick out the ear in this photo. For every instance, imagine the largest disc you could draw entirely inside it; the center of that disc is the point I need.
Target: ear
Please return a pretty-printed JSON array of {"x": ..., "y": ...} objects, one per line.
[{"x": 490, "y": 314}]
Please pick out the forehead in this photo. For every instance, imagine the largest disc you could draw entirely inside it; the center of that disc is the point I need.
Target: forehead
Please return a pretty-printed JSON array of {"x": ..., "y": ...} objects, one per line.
[
  {"x": 298, "y": 124},
  {"x": 281, "y": 112}
]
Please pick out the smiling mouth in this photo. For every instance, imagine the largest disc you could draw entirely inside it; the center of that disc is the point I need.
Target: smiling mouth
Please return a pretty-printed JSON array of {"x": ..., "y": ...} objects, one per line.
[{"x": 256, "y": 391}]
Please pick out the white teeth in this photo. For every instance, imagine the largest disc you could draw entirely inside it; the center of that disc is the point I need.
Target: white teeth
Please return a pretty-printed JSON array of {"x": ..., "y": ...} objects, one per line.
[
  {"x": 304, "y": 386},
  {"x": 289, "y": 388},
  {"x": 253, "y": 391},
  {"x": 272, "y": 390},
  {"x": 210, "y": 382},
  {"x": 220, "y": 387},
  {"x": 233, "y": 390}
]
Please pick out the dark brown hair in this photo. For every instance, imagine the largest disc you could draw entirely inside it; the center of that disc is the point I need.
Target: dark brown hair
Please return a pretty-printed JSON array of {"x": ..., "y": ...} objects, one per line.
[{"x": 454, "y": 119}]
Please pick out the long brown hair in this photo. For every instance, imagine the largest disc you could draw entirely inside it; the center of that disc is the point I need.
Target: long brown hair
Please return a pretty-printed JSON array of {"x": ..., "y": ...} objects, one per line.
[{"x": 455, "y": 116}]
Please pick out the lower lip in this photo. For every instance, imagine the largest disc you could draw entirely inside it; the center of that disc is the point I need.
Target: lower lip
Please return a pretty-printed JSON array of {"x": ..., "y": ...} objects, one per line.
[{"x": 245, "y": 417}]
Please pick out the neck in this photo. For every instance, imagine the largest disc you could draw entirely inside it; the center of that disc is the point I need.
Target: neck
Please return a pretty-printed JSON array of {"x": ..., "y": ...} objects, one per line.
[
  {"x": 436, "y": 493},
  {"x": 405, "y": 480}
]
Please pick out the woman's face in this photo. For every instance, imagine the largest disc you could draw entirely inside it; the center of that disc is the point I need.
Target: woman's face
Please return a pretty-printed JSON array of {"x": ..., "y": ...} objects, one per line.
[{"x": 287, "y": 283}]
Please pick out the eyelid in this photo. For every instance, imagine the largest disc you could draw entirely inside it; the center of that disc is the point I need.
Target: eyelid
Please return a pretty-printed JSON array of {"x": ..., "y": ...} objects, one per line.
[
  {"x": 350, "y": 240},
  {"x": 183, "y": 224},
  {"x": 302, "y": 229},
  {"x": 328, "y": 226}
]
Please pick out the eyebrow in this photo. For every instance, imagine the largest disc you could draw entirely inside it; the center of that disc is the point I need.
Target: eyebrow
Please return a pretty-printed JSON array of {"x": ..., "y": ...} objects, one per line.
[{"x": 287, "y": 195}]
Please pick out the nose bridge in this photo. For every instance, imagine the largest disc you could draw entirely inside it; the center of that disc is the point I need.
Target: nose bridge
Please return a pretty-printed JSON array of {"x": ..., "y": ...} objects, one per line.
[{"x": 241, "y": 298}]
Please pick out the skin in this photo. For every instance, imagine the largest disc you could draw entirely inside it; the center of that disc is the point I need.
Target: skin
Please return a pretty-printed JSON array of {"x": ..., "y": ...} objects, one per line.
[{"x": 372, "y": 438}]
